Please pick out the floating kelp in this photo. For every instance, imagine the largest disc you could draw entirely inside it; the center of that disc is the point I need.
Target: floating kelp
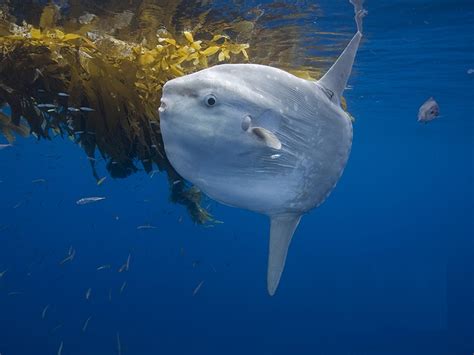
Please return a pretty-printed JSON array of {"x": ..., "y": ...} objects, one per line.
[
  {"x": 78, "y": 70},
  {"x": 101, "y": 92}
]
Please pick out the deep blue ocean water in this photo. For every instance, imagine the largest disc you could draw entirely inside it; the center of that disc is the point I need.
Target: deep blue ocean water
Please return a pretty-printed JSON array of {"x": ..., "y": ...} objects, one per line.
[{"x": 384, "y": 266}]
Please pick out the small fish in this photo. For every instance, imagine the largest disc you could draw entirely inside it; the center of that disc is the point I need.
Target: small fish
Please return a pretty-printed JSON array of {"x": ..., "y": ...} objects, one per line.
[
  {"x": 103, "y": 267},
  {"x": 470, "y": 71},
  {"x": 38, "y": 181},
  {"x": 14, "y": 293},
  {"x": 88, "y": 293},
  {"x": 60, "y": 350},
  {"x": 43, "y": 314},
  {"x": 87, "y": 200},
  {"x": 86, "y": 109},
  {"x": 198, "y": 287},
  {"x": 3, "y": 146},
  {"x": 146, "y": 226},
  {"x": 70, "y": 257},
  {"x": 86, "y": 323},
  {"x": 46, "y": 106},
  {"x": 119, "y": 345},
  {"x": 101, "y": 181},
  {"x": 3, "y": 273},
  {"x": 125, "y": 266},
  {"x": 123, "y": 286},
  {"x": 73, "y": 109},
  {"x": 63, "y": 94},
  {"x": 428, "y": 111},
  {"x": 128, "y": 261},
  {"x": 176, "y": 182}
]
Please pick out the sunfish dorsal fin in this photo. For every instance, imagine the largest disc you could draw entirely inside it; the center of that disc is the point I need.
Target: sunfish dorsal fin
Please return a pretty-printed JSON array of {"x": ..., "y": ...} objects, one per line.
[
  {"x": 335, "y": 80},
  {"x": 282, "y": 229}
]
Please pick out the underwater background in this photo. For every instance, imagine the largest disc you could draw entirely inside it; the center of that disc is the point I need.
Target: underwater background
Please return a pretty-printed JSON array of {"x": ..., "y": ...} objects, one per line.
[{"x": 384, "y": 266}]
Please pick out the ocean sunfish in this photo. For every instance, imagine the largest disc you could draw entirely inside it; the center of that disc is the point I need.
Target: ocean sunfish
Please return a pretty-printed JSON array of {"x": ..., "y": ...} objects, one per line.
[
  {"x": 428, "y": 111},
  {"x": 256, "y": 137}
]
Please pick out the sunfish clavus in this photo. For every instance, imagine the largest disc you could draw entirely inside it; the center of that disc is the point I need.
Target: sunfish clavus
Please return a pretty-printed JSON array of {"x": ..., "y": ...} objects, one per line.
[{"x": 259, "y": 138}]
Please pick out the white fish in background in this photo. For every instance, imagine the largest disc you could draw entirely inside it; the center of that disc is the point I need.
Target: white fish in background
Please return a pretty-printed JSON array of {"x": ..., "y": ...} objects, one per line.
[
  {"x": 198, "y": 287},
  {"x": 103, "y": 267},
  {"x": 259, "y": 138},
  {"x": 87, "y": 200},
  {"x": 123, "y": 286},
  {"x": 86, "y": 323},
  {"x": 101, "y": 181},
  {"x": 38, "y": 181},
  {"x": 60, "y": 350},
  {"x": 146, "y": 226},
  {"x": 43, "y": 314},
  {"x": 126, "y": 266},
  {"x": 428, "y": 111},
  {"x": 119, "y": 345},
  {"x": 70, "y": 257}
]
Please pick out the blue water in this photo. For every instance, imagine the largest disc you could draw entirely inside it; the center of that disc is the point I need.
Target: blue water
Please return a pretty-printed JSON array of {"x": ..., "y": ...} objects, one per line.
[{"x": 384, "y": 266}]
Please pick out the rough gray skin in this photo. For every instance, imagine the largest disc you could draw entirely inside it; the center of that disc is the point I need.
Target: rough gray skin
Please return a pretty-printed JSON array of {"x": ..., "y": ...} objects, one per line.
[
  {"x": 208, "y": 146},
  {"x": 259, "y": 138}
]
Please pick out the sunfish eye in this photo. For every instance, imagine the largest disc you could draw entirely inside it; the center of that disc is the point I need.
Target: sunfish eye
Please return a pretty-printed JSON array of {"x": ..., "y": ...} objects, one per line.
[{"x": 210, "y": 100}]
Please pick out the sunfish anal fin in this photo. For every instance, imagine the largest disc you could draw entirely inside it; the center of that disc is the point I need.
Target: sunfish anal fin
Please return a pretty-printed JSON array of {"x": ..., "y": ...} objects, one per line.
[
  {"x": 266, "y": 137},
  {"x": 335, "y": 80},
  {"x": 282, "y": 228}
]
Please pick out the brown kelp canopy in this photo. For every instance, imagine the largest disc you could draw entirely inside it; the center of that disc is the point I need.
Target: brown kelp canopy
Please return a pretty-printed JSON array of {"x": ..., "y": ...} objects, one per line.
[{"x": 80, "y": 70}]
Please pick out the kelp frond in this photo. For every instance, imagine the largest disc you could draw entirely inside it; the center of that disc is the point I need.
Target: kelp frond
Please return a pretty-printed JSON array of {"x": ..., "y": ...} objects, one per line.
[{"x": 102, "y": 92}]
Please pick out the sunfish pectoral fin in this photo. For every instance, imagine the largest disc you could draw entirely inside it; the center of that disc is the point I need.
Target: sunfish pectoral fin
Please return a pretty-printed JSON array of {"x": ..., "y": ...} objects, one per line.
[
  {"x": 266, "y": 137},
  {"x": 282, "y": 229},
  {"x": 335, "y": 80}
]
